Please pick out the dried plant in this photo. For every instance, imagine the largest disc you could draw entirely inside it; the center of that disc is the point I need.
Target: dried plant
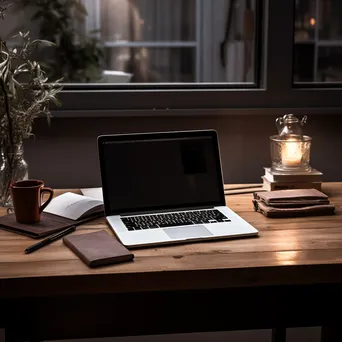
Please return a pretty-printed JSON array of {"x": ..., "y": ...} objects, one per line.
[
  {"x": 4, "y": 6},
  {"x": 24, "y": 91}
]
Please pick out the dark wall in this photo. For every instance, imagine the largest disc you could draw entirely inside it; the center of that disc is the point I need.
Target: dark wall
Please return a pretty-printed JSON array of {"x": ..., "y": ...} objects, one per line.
[{"x": 65, "y": 154}]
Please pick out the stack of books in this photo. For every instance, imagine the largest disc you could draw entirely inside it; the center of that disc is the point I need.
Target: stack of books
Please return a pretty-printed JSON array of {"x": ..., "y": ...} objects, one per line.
[{"x": 273, "y": 180}]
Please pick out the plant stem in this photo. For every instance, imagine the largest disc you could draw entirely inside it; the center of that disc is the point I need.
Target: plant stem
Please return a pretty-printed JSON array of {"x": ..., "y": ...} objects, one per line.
[
  {"x": 7, "y": 110},
  {"x": 8, "y": 150}
]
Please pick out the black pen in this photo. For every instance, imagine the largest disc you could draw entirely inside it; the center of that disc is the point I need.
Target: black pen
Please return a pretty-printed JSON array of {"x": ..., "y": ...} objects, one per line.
[{"x": 49, "y": 239}]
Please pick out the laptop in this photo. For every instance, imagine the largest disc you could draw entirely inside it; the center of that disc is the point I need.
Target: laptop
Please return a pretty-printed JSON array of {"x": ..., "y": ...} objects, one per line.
[{"x": 166, "y": 188}]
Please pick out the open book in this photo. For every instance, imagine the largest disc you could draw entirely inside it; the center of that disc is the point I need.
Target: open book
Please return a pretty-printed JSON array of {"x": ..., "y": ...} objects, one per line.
[
  {"x": 63, "y": 211},
  {"x": 74, "y": 206}
]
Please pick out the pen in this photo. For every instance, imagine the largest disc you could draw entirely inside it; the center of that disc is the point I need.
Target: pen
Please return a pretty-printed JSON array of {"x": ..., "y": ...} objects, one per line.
[{"x": 49, "y": 239}]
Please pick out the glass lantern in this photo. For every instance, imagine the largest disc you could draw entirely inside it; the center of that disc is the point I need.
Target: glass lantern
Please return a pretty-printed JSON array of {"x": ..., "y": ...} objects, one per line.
[
  {"x": 290, "y": 149},
  {"x": 291, "y": 154}
]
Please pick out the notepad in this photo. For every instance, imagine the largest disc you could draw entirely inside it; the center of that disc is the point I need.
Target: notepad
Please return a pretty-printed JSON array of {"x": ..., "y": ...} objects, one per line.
[
  {"x": 98, "y": 248},
  {"x": 74, "y": 206}
]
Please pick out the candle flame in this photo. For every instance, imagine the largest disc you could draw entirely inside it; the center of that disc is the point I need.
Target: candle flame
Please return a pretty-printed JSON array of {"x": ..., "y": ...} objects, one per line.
[{"x": 292, "y": 153}]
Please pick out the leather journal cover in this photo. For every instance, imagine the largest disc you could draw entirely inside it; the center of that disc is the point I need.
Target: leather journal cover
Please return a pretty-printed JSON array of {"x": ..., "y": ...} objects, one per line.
[
  {"x": 98, "y": 248},
  {"x": 292, "y": 203},
  {"x": 308, "y": 210},
  {"x": 292, "y": 197},
  {"x": 47, "y": 225}
]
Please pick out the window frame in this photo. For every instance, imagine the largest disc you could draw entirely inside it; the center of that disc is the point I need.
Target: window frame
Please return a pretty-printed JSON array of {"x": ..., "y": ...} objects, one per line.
[{"x": 274, "y": 94}]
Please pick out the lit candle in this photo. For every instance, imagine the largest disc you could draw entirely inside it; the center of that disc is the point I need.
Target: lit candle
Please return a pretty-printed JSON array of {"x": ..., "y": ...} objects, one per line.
[{"x": 291, "y": 154}]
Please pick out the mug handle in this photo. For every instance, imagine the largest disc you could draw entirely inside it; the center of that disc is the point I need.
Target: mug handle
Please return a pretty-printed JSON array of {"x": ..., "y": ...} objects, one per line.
[{"x": 44, "y": 205}]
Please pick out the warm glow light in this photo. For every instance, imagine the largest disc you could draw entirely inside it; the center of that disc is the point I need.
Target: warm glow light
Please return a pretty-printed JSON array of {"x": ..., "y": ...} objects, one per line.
[
  {"x": 291, "y": 154},
  {"x": 312, "y": 21},
  {"x": 287, "y": 257}
]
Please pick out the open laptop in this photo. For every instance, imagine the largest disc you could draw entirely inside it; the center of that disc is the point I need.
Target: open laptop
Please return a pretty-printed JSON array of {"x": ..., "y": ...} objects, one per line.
[{"x": 166, "y": 187}]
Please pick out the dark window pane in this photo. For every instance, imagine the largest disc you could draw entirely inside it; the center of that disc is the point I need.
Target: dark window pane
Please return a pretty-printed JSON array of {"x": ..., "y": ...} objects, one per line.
[
  {"x": 318, "y": 41},
  {"x": 154, "y": 41},
  {"x": 305, "y": 21},
  {"x": 148, "y": 20},
  {"x": 330, "y": 25},
  {"x": 329, "y": 66},
  {"x": 146, "y": 65}
]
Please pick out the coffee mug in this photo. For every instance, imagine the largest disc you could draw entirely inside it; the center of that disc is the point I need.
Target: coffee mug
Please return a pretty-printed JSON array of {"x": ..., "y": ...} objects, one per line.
[{"x": 27, "y": 200}]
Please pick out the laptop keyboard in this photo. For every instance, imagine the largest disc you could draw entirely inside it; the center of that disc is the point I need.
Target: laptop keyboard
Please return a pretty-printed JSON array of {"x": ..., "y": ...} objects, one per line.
[{"x": 174, "y": 219}]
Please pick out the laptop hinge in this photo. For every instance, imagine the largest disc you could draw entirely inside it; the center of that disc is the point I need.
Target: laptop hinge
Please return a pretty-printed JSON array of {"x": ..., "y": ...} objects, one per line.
[{"x": 151, "y": 212}]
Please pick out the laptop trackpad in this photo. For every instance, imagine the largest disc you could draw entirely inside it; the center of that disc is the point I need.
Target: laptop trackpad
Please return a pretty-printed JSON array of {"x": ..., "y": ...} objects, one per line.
[{"x": 187, "y": 232}]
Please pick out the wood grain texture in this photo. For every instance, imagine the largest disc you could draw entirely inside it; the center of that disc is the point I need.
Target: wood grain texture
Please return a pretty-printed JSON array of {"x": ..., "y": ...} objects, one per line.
[{"x": 289, "y": 251}]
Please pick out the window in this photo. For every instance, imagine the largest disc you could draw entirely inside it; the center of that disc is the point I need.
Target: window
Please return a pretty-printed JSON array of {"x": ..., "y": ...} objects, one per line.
[
  {"x": 318, "y": 41},
  {"x": 175, "y": 57},
  {"x": 154, "y": 41},
  {"x": 176, "y": 40},
  {"x": 147, "y": 41}
]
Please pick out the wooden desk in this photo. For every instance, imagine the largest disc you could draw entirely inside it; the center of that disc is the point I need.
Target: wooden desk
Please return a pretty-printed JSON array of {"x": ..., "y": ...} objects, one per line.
[{"x": 291, "y": 275}]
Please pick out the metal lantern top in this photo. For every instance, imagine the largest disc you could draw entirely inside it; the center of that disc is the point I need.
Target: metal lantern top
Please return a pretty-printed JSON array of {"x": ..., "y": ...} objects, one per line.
[{"x": 289, "y": 125}]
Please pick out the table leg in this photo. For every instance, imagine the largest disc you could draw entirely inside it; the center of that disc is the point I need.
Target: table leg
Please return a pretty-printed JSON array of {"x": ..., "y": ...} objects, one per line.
[{"x": 279, "y": 334}]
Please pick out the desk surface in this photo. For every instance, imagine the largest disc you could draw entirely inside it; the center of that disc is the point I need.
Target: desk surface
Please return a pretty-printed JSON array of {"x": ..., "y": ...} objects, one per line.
[{"x": 287, "y": 251}]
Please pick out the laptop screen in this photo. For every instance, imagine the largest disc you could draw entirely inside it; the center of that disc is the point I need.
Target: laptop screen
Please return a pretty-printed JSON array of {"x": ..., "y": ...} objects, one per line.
[{"x": 148, "y": 172}]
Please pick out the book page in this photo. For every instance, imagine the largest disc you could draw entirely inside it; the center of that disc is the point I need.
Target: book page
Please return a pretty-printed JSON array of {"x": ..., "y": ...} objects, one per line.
[
  {"x": 93, "y": 193},
  {"x": 72, "y": 206}
]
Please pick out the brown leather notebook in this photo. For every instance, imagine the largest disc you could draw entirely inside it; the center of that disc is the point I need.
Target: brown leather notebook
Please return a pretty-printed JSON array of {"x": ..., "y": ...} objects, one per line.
[
  {"x": 47, "y": 225},
  {"x": 292, "y": 197},
  {"x": 307, "y": 210},
  {"x": 98, "y": 248}
]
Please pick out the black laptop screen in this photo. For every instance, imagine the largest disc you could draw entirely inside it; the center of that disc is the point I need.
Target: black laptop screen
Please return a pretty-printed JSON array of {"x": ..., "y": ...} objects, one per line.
[{"x": 156, "y": 174}]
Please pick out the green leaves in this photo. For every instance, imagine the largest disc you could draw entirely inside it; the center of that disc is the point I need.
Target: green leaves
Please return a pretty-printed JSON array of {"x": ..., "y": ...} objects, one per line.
[{"x": 77, "y": 56}]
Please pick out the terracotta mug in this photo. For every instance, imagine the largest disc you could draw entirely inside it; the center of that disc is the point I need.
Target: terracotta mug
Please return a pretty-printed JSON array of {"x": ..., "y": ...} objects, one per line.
[{"x": 27, "y": 200}]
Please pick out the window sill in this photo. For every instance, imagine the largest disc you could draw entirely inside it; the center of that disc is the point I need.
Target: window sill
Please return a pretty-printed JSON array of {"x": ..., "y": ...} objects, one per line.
[{"x": 207, "y": 112}]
